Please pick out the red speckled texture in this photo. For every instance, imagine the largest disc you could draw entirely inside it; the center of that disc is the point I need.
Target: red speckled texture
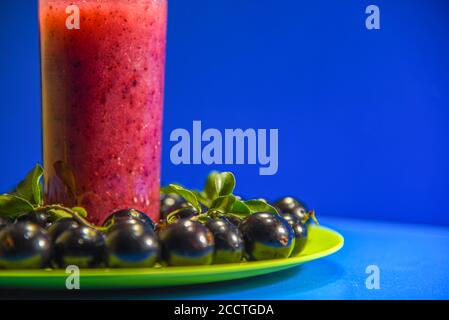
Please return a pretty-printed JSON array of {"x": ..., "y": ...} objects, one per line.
[{"x": 102, "y": 91}]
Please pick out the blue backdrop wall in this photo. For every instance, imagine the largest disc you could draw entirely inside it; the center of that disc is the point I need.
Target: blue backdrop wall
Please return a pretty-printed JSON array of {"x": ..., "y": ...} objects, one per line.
[{"x": 363, "y": 115}]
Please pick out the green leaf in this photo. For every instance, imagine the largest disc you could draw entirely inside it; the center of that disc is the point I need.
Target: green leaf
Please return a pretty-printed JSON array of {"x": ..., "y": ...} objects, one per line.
[
  {"x": 240, "y": 208},
  {"x": 107, "y": 227},
  {"x": 219, "y": 184},
  {"x": 188, "y": 195},
  {"x": 57, "y": 214},
  {"x": 30, "y": 188},
  {"x": 227, "y": 184},
  {"x": 237, "y": 215},
  {"x": 13, "y": 206},
  {"x": 81, "y": 211},
  {"x": 260, "y": 206},
  {"x": 213, "y": 185},
  {"x": 203, "y": 218},
  {"x": 223, "y": 204},
  {"x": 202, "y": 198}
]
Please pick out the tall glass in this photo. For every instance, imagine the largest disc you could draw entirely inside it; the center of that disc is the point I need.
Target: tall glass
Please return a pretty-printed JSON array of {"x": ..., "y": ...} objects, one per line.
[{"x": 102, "y": 66}]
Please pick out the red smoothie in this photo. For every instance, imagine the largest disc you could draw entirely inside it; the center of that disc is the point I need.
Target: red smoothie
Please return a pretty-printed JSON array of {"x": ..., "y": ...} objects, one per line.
[{"x": 102, "y": 95}]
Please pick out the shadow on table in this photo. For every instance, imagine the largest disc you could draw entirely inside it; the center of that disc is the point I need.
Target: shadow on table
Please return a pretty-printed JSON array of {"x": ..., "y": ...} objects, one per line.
[{"x": 286, "y": 284}]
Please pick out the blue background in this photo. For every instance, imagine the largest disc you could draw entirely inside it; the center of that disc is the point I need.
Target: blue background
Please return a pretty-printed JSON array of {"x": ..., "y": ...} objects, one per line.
[{"x": 363, "y": 114}]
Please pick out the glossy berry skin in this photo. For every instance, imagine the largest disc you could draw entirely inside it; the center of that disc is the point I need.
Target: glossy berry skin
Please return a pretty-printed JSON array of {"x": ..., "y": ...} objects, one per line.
[
  {"x": 267, "y": 236},
  {"x": 229, "y": 246},
  {"x": 130, "y": 214},
  {"x": 61, "y": 226},
  {"x": 24, "y": 246},
  {"x": 132, "y": 246},
  {"x": 170, "y": 203},
  {"x": 186, "y": 243},
  {"x": 83, "y": 247},
  {"x": 233, "y": 220},
  {"x": 300, "y": 231},
  {"x": 4, "y": 222},
  {"x": 124, "y": 223},
  {"x": 291, "y": 205},
  {"x": 41, "y": 218},
  {"x": 186, "y": 212}
]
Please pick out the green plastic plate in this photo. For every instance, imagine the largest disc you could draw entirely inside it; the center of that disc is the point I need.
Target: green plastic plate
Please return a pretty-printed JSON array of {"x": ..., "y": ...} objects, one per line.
[{"x": 322, "y": 242}]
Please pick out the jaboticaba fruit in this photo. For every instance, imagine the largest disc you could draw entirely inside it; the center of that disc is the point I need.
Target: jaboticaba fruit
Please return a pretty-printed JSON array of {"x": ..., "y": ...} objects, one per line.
[
  {"x": 42, "y": 218},
  {"x": 185, "y": 243},
  {"x": 130, "y": 214},
  {"x": 60, "y": 226},
  {"x": 24, "y": 246},
  {"x": 291, "y": 205},
  {"x": 132, "y": 245},
  {"x": 186, "y": 212},
  {"x": 229, "y": 245},
  {"x": 170, "y": 203},
  {"x": 83, "y": 247},
  {"x": 300, "y": 232},
  {"x": 267, "y": 236}
]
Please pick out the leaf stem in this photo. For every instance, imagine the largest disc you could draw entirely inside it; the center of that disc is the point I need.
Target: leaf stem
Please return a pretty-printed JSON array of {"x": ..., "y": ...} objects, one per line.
[
  {"x": 75, "y": 215},
  {"x": 170, "y": 217},
  {"x": 214, "y": 214},
  {"x": 311, "y": 215},
  {"x": 202, "y": 218}
]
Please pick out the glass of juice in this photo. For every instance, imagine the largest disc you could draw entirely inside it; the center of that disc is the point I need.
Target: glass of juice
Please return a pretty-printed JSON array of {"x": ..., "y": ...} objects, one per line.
[{"x": 102, "y": 67}]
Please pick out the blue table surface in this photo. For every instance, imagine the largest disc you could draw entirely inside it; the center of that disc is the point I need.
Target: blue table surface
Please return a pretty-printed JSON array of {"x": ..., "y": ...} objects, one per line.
[{"x": 413, "y": 262}]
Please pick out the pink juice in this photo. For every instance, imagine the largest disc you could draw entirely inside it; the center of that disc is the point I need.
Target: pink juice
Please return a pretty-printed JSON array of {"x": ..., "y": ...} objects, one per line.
[{"x": 102, "y": 95}]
